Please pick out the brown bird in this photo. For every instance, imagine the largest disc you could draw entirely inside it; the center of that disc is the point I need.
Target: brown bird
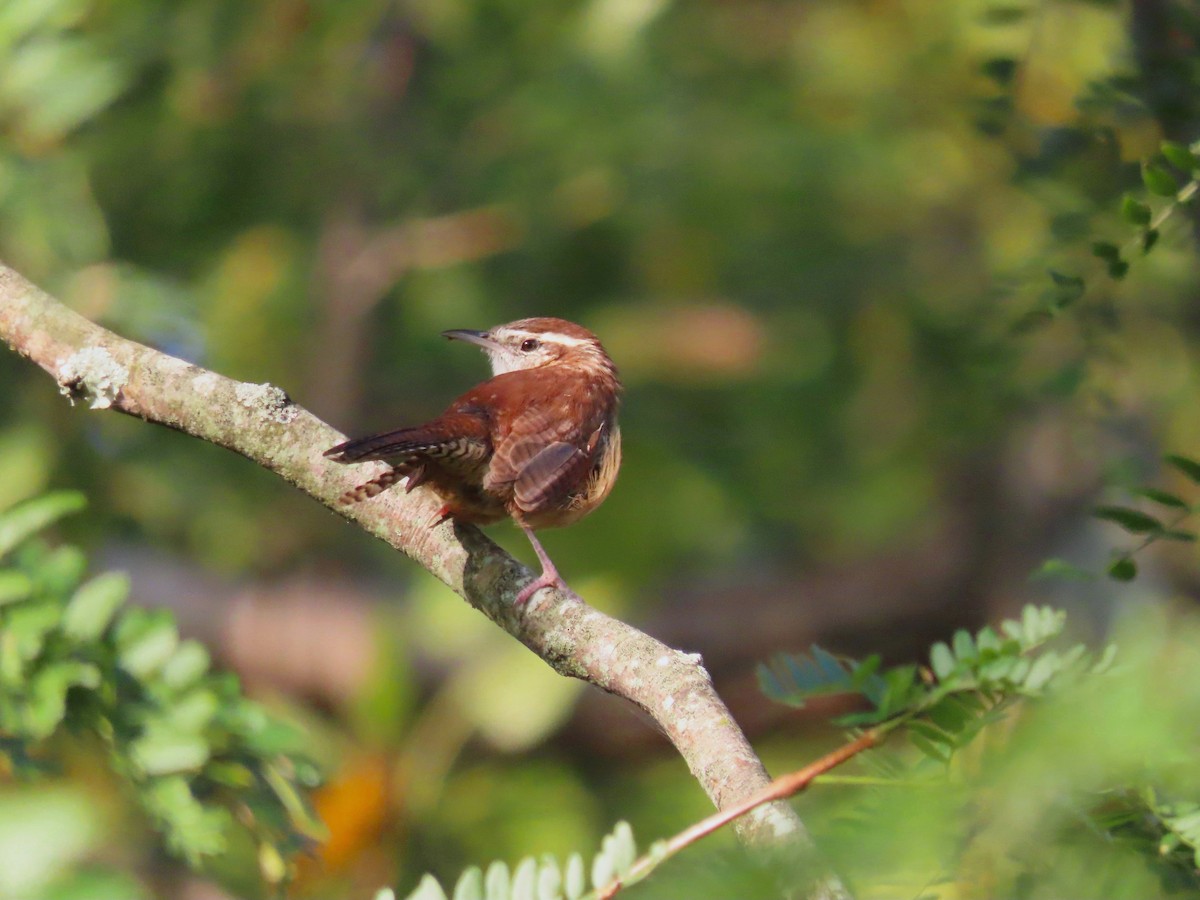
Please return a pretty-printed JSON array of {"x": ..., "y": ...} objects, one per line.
[{"x": 538, "y": 442}]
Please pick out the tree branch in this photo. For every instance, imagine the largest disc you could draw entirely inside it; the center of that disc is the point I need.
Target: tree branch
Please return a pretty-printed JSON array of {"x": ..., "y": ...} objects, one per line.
[{"x": 261, "y": 423}]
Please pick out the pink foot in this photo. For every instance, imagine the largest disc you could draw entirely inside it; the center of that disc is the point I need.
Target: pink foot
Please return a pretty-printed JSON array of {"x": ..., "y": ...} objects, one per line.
[
  {"x": 549, "y": 576},
  {"x": 546, "y": 579}
]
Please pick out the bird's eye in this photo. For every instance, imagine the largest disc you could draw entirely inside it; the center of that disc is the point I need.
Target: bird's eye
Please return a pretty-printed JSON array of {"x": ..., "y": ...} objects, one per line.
[{"x": 529, "y": 345}]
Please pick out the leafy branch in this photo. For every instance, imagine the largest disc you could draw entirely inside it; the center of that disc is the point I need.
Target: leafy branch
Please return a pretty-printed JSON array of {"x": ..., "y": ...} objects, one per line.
[
  {"x": 966, "y": 686},
  {"x": 199, "y": 757},
  {"x": 1148, "y": 528},
  {"x": 1159, "y": 181}
]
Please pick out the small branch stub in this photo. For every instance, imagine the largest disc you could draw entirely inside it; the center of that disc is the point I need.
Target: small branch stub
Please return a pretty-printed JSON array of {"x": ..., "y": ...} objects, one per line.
[
  {"x": 92, "y": 373},
  {"x": 267, "y": 399}
]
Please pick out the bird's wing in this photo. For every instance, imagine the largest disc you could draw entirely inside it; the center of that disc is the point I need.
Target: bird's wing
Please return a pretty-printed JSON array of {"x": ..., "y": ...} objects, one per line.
[
  {"x": 554, "y": 472},
  {"x": 459, "y": 437},
  {"x": 549, "y": 477}
]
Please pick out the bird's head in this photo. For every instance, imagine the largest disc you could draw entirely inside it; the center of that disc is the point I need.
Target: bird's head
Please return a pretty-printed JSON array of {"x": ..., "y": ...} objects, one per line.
[{"x": 537, "y": 343}]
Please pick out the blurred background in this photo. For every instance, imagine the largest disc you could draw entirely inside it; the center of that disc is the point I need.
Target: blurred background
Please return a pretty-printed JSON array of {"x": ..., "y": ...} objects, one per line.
[{"x": 804, "y": 230}]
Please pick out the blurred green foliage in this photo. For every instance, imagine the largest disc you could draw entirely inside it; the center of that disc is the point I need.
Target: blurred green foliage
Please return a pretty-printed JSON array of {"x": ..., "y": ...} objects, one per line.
[
  {"x": 804, "y": 229},
  {"x": 191, "y": 749}
]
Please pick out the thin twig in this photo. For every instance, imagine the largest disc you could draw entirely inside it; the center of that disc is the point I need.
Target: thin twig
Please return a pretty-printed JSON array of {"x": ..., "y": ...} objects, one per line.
[{"x": 781, "y": 788}]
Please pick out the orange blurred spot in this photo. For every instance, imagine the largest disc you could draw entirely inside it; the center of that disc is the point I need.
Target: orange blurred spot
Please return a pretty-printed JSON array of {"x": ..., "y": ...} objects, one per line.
[{"x": 355, "y": 806}]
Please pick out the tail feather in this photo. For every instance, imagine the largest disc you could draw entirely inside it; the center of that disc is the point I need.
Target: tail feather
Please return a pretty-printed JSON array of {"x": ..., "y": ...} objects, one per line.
[
  {"x": 372, "y": 488},
  {"x": 456, "y": 442},
  {"x": 389, "y": 445}
]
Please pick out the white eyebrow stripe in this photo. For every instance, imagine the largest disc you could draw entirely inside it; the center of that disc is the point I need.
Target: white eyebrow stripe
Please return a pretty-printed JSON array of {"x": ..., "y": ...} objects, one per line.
[{"x": 554, "y": 337}]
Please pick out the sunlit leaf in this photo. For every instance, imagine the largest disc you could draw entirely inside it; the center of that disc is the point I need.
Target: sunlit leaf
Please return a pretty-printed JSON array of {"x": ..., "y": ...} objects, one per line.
[
  {"x": 1158, "y": 180},
  {"x": 14, "y": 586},
  {"x": 1060, "y": 568},
  {"x": 93, "y": 606},
  {"x": 469, "y": 885},
  {"x": 497, "y": 881},
  {"x": 550, "y": 880},
  {"x": 941, "y": 660},
  {"x": 575, "y": 880},
  {"x": 524, "y": 881},
  {"x": 32, "y": 516},
  {"x": 428, "y": 889},
  {"x": 1179, "y": 156}
]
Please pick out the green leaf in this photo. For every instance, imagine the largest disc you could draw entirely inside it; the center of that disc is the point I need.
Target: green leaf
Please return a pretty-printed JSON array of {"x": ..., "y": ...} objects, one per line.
[
  {"x": 603, "y": 871},
  {"x": 427, "y": 889},
  {"x": 931, "y": 733},
  {"x": 194, "y": 830},
  {"x": 524, "y": 882},
  {"x": 1134, "y": 211},
  {"x": 192, "y": 713},
  {"x": 186, "y": 665},
  {"x": 1158, "y": 180},
  {"x": 1188, "y": 467},
  {"x": 145, "y": 640},
  {"x": 165, "y": 752},
  {"x": 941, "y": 660},
  {"x": 1149, "y": 239},
  {"x": 1118, "y": 269},
  {"x": 575, "y": 882},
  {"x": 1129, "y": 519},
  {"x": 1067, "y": 289},
  {"x": 987, "y": 640},
  {"x": 60, "y": 571},
  {"x": 999, "y": 670},
  {"x": 935, "y": 751},
  {"x": 549, "y": 881},
  {"x": 622, "y": 847},
  {"x": 950, "y": 714},
  {"x": 1123, "y": 569},
  {"x": 1106, "y": 250},
  {"x": 47, "y": 695},
  {"x": 1180, "y": 156},
  {"x": 469, "y": 885},
  {"x": 964, "y": 645},
  {"x": 1162, "y": 497},
  {"x": 30, "y": 517},
  {"x": 93, "y": 606},
  {"x": 14, "y": 586},
  {"x": 793, "y": 679},
  {"x": 1178, "y": 534},
  {"x": 1041, "y": 671},
  {"x": 25, "y": 632},
  {"x": 497, "y": 881},
  {"x": 1060, "y": 568}
]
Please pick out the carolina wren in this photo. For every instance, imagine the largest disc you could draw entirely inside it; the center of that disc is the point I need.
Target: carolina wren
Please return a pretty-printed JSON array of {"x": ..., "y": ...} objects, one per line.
[{"x": 538, "y": 442}]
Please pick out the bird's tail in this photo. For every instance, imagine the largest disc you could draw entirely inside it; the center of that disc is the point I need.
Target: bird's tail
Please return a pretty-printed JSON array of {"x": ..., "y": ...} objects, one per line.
[
  {"x": 389, "y": 445},
  {"x": 372, "y": 488}
]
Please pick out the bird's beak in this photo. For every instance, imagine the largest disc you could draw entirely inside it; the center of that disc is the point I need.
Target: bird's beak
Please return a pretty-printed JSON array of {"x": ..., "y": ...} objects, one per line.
[{"x": 481, "y": 338}]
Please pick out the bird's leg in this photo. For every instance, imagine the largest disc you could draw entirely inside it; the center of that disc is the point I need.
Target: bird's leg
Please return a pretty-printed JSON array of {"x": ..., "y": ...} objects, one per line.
[{"x": 549, "y": 576}]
